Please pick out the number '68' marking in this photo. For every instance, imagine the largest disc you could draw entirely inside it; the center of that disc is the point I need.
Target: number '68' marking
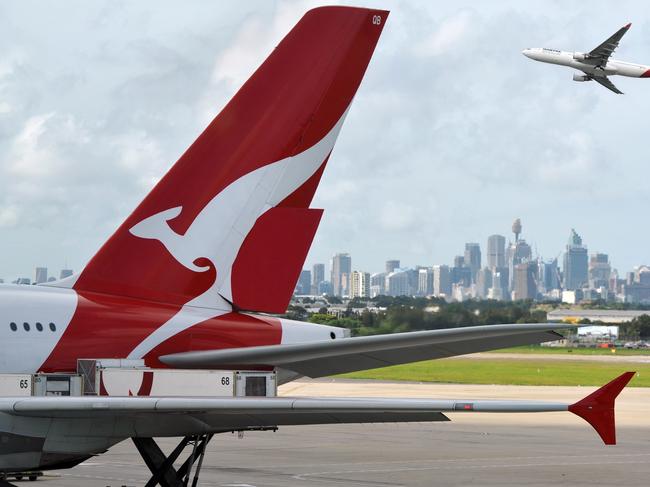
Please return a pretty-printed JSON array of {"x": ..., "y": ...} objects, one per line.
[{"x": 376, "y": 19}]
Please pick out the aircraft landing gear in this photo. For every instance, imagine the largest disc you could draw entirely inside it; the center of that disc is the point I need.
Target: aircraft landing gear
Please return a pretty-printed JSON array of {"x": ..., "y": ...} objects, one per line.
[{"x": 162, "y": 467}]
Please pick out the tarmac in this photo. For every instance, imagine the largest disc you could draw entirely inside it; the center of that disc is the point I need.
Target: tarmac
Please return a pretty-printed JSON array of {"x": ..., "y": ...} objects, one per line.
[{"x": 473, "y": 449}]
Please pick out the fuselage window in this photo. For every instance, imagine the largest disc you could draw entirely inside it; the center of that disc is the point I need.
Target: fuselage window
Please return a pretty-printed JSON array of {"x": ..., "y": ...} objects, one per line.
[
  {"x": 52, "y": 327},
  {"x": 26, "y": 326},
  {"x": 13, "y": 326},
  {"x": 39, "y": 327}
]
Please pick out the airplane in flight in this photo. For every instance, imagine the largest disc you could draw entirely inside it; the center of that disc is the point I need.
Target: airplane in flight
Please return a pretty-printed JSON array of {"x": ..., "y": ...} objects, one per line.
[
  {"x": 193, "y": 276},
  {"x": 596, "y": 64}
]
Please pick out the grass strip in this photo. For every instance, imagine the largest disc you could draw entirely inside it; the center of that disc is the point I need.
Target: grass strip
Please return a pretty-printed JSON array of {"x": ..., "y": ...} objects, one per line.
[{"x": 509, "y": 372}]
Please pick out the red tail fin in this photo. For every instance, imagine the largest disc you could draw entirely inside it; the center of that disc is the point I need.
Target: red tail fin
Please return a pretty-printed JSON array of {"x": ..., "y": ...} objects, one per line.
[
  {"x": 267, "y": 148},
  {"x": 598, "y": 407}
]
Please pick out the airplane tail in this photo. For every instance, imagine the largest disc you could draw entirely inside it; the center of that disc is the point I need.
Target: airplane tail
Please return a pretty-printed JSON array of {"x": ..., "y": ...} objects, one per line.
[{"x": 230, "y": 222}]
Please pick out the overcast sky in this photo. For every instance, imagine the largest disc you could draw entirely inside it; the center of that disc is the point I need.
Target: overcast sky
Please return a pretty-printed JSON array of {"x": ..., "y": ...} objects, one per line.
[{"x": 453, "y": 133}]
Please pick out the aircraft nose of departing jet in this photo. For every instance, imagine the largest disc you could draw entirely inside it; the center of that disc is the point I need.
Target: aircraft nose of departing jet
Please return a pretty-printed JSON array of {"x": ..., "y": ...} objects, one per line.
[{"x": 526, "y": 52}]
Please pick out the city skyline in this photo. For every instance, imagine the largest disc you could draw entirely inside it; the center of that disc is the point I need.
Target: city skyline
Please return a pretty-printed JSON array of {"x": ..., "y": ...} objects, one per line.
[
  {"x": 507, "y": 272},
  {"x": 418, "y": 170}
]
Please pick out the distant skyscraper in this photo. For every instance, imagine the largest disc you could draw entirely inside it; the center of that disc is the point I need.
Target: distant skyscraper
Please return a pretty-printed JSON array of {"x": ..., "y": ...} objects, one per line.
[
  {"x": 496, "y": 251},
  {"x": 459, "y": 261},
  {"x": 304, "y": 283},
  {"x": 391, "y": 265},
  {"x": 317, "y": 276},
  {"x": 525, "y": 286},
  {"x": 398, "y": 283},
  {"x": 441, "y": 281},
  {"x": 325, "y": 287},
  {"x": 359, "y": 284},
  {"x": 499, "y": 288},
  {"x": 65, "y": 273},
  {"x": 550, "y": 278},
  {"x": 483, "y": 282},
  {"x": 378, "y": 284},
  {"x": 341, "y": 269},
  {"x": 575, "y": 263},
  {"x": 599, "y": 271},
  {"x": 473, "y": 258},
  {"x": 425, "y": 281},
  {"x": 461, "y": 276},
  {"x": 517, "y": 253},
  {"x": 40, "y": 276}
]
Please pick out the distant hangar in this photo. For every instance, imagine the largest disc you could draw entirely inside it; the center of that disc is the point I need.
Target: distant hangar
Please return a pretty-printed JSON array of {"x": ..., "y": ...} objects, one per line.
[{"x": 604, "y": 315}]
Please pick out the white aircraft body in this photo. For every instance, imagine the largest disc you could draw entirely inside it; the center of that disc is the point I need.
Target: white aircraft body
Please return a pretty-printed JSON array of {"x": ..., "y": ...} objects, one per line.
[{"x": 596, "y": 64}]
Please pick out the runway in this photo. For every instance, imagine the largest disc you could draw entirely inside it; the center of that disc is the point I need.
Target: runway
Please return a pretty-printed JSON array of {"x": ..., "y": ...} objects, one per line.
[{"x": 478, "y": 449}]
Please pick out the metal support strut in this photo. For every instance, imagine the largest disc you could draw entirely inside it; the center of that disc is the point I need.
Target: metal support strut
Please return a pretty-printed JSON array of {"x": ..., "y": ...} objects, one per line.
[{"x": 162, "y": 467}]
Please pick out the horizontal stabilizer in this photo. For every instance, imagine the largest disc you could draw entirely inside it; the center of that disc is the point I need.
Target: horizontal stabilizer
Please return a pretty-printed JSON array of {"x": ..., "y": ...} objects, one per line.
[
  {"x": 318, "y": 359},
  {"x": 598, "y": 407}
]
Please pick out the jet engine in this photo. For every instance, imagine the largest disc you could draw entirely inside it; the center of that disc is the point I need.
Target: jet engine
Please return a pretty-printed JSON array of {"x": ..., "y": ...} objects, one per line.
[
  {"x": 579, "y": 56},
  {"x": 581, "y": 77}
]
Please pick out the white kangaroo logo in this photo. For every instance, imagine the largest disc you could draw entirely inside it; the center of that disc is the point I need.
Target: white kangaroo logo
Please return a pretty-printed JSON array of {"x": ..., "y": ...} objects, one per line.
[{"x": 218, "y": 231}]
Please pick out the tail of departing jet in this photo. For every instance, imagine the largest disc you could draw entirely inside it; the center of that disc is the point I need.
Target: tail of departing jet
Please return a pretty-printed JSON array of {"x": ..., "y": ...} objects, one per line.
[{"x": 233, "y": 213}]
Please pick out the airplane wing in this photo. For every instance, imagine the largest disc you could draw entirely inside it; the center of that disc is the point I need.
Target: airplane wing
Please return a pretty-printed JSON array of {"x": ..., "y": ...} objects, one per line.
[
  {"x": 318, "y": 359},
  {"x": 156, "y": 417},
  {"x": 60, "y": 432},
  {"x": 605, "y": 50},
  {"x": 604, "y": 80}
]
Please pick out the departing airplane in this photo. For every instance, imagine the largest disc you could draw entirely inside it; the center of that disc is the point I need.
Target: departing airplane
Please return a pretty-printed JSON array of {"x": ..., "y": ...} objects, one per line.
[
  {"x": 191, "y": 278},
  {"x": 596, "y": 64}
]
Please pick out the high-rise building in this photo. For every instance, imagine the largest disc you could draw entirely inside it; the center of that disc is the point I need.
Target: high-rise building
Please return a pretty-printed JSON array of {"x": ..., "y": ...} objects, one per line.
[
  {"x": 550, "y": 275},
  {"x": 341, "y": 269},
  {"x": 461, "y": 276},
  {"x": 377, "y": 284},
  {"x": 483, "y": 282},
  {"x": 324, "y": 288},
  {"x": 65, "y": 273},
  {"x": 425, "y": 281},
  {"x": 499, "y": 288},
  {"x": 40, "y": 275},
  {"x": 575, "y": 263},
  {"x": 359, "y": 284},
  {"x": 473, "y": 258},
  {"x": 391, "y": 265},
  {"x": 398, "y": 283},
  {"x": 441, "y": 281},
  {"x": 459, "y": 261},
  {"x": 496, "y": 251},
  {"x": 517, "y": 253},
  {"x": 525, "y": 286},
  {"x": 304, "y": 283},
  {"x": 599, "y": 271},
  {"x": 317, "y": 276}
]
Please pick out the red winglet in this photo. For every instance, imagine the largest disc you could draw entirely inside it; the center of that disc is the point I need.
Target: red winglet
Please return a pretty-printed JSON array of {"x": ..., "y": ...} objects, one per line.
[{"x": 598, "y": 407}]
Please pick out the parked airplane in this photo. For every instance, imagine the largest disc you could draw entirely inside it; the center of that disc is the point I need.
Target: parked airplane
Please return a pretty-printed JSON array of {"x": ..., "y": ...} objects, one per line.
[
  {"x": 596, "y": 64},
  {"x": 224, "y": 234}
]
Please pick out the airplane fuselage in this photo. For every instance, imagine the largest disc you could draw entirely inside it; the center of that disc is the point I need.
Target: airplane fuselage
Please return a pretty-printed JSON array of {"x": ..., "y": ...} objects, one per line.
[
  {"x": 46, "y": 329},
  {"x": 581, "y": 61}
]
